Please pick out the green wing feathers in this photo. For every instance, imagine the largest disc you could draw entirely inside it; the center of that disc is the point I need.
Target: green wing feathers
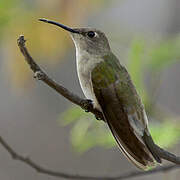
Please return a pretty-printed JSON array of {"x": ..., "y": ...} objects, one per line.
[{"x": 123, "y": 110}]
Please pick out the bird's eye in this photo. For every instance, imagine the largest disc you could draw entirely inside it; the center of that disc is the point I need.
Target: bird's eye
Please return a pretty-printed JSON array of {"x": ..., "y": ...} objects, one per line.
[{"x": 91, "y": 34}]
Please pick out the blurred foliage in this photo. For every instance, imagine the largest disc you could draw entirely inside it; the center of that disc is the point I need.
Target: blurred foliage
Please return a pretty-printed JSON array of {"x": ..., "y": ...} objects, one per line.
[
  {"x": 50, "y": 45},
  {"x": 164, "y": 54},
  {"x": 167, "y": 133},
  {"x": 47, "y": 43},
  {"x": 136, "y": 65},
  {"x": 87, "y": 132}
]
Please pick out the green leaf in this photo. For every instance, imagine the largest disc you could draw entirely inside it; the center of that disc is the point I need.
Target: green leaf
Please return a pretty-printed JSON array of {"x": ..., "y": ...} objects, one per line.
[
  {"x": 136, "y": 65},
  {"x": 71, "y": 115},
  {"x": 79, "y": 135},
  {"x": 164, "y": 54},
  {"x": 166, "y": 134},
  {"x": 87, "y": 132}
]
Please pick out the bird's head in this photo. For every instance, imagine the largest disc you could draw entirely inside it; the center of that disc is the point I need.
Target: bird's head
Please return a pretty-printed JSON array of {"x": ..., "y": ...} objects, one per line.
[{"x": 90, "y": 40}]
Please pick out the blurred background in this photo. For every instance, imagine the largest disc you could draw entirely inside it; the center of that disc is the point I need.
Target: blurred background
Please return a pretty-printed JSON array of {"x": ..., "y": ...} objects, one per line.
[{"x": 36, "y": 121}]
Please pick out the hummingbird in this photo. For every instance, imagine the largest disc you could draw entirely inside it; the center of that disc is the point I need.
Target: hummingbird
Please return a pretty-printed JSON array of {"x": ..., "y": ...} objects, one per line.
[{"x": 106, "y": 82}]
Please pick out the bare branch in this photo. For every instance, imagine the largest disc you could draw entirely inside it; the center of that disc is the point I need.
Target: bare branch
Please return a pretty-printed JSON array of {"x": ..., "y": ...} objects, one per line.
[
  {"x": 37, "y": 167},
  {"x": 43, "y": 170},
  {"x": 41, "y": 75}
]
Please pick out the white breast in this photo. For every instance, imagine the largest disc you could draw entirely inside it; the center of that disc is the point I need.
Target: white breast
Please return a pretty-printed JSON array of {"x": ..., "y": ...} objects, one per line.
[{"x": 85, "y": 64}]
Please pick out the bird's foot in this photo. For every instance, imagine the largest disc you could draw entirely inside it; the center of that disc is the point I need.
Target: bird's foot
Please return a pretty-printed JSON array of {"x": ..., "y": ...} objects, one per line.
[
  {"x": 87, "y": 104},
  {"x": 98, "y": 118}
]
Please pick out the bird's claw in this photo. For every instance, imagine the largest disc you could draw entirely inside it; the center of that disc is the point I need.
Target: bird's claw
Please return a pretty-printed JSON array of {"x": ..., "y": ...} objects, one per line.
[
  {"x": 87, "y": 104},
  {"x": 97, "y": 118}
]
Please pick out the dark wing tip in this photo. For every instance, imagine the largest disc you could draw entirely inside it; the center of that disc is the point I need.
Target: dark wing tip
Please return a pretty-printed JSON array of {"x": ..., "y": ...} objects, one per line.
[{"x": 151, "y": 146}]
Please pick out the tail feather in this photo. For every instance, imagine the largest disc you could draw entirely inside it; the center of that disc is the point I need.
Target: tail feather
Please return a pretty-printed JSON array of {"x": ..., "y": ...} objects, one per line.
[
  {"x": 144, "y": 166},
  {"x": 138, "y": 154}
]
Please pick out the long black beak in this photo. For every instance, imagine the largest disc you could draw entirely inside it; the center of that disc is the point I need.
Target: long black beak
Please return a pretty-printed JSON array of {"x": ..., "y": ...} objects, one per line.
[{"x": 58, "y": 24}]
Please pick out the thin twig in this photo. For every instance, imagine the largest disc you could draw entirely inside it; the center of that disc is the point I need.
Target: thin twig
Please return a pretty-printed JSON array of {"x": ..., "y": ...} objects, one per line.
[
  {"x": 43, "y": 170},
  {"x": 86, "y": 104}
]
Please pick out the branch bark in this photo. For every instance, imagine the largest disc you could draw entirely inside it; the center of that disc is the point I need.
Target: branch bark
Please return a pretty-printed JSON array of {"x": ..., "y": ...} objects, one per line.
[
  {"x": 53, "y": 173},
  {"x": 87, "y": 106}
]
